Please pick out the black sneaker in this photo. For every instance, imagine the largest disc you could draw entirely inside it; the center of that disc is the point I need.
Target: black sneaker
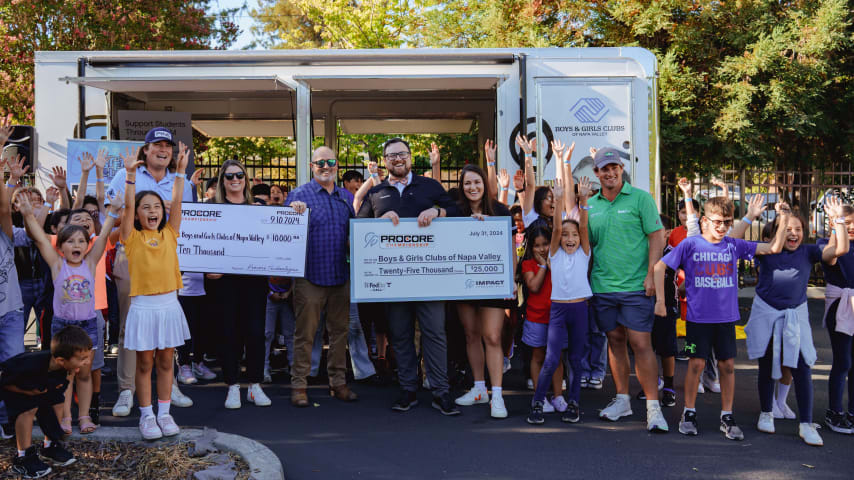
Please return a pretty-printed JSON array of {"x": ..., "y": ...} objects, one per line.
[
  {"x": 668, "y": 397},
  {"x": 572, "y": 414},
  {"x": 30, "y": 466},
  {"x": 730, "y": 429},
  {"x": 688, "y": 424},
  {"x": 445, "y": 404},
  {"x": 838, "y": 422},
  {"x": 683, "y": 356},
  {"x": 58, "y": 455},
  {"x": 641, "y": 395},
  {"x": 7, "y": 431},
  {"x": 536, "y": 415},
  {"x": 405, "y": 401}
]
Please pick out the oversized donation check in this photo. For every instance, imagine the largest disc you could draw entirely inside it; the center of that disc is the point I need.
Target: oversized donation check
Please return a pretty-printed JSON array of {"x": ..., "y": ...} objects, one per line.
[
  {"x": 452, "y": 259},
  {"x": 242, "y": 239}
]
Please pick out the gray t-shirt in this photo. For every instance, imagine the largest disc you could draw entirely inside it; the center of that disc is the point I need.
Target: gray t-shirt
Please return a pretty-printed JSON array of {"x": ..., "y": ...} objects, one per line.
[{"x": 10, "y": 290}]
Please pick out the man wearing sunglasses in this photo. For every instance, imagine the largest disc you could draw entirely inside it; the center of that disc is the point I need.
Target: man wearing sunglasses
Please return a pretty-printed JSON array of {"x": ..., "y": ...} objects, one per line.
[
  {"x": 326, "y": 286},
  {"x": 406, "y": 195}
]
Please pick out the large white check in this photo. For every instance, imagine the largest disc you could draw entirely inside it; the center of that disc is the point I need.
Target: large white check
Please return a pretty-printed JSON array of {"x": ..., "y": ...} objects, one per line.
[
  {"x": 242, "y": 239},
  {"x": 452, "y": 259}
]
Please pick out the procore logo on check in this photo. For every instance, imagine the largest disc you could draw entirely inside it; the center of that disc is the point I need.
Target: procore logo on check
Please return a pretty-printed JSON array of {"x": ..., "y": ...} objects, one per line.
[
  {"x": 589, "y": 110},
  {"x": 397, "y": 241}
]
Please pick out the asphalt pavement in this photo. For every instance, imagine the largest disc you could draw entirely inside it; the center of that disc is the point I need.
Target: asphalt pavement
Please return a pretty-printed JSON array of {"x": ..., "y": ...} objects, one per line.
[{"x": 366, "y": 439}]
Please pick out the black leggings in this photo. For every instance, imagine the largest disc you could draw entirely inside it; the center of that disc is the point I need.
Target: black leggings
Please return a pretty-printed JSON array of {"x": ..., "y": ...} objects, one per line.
[
  {"x": 240, "y": 301},
  {"x": 801, "y": 376},
  {"x": 843, "y": 359}
]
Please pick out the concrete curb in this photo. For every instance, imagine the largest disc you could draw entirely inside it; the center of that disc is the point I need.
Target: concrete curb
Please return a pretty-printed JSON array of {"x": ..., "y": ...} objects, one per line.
[{"x": 263, "y": 463}]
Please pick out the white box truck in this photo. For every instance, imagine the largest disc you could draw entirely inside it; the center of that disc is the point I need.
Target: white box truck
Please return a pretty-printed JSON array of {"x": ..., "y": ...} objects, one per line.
[{"x": 595, "y": 97}]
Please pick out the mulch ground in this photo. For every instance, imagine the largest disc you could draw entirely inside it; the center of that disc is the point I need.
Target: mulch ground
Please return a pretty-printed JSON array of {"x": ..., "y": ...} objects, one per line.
[{"x": 117, "y": 460}]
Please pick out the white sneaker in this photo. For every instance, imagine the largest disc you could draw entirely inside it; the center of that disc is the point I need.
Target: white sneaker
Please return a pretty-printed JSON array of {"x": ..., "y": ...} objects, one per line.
[
  {"x": 700, "y": 388},
  {"x": 268, "y": 376},
  {"x": 6, "y": 435},
  {"x": 559, "y": 404},
  {"x": 185, "y": 375},
  {"x": 425, "y": 383},
  {"x": 167, "y": 425},
  {"x": 507, "y": 365},
  {"x": 257, "y": 396},
  {"x": 497, "y": 408},
  {"x": 179, "y": 399},
  {"x": 148, "y": 428},
  {"x": 232, "y": 400},
  {"x": 530, "y": 384},
  {"x": 766, "y": 422},
  {"x": 710, "y": 384},
  {"x": 808, "y": 432},
  {"x": 548, "y": 407},
  {"x": 472, "y": 397},
  {"x": 782, "y": 411},
  {"x": 200, "y": 370},
  {"x": 123, "y": 404},
  {"x": 655, "y": 421},
  {"x": 619, "y": 407}
]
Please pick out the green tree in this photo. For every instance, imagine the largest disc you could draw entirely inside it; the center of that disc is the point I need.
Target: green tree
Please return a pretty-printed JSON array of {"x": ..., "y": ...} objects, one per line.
[{"x": 29, "y": 26}]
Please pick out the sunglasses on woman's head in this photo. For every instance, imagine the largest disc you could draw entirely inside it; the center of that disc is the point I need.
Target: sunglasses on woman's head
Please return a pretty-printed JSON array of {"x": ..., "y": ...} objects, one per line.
[{"x": 230, "y": 176}]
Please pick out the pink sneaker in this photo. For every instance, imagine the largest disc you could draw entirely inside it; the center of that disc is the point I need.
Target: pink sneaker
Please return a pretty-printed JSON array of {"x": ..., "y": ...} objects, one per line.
[{"x": 149, "y": 429}]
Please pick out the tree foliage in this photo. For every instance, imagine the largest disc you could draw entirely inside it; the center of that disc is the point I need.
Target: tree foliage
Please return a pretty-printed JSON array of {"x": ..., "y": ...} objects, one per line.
[
  {"x": 27, "y": 26},
  {"x": 743, "y": 83}
]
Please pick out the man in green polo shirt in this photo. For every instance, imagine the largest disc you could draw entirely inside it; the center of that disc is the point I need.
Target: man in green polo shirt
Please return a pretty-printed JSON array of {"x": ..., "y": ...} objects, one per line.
[{"x": 627, "y": 239}]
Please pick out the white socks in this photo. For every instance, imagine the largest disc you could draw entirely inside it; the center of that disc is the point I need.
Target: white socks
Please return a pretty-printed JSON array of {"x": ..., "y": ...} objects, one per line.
[
  {"x": 163, "y": 408},
  {"x": 782, "y": 394},
  {"x": 480, "y": 385},
  {"x": 725, "y": 412},
  {"x": 624, "y": 397},
  {"x": 652, "y": 404},
  {"x": 496, "y": 392},
  {"x": 146, "y": 412}
]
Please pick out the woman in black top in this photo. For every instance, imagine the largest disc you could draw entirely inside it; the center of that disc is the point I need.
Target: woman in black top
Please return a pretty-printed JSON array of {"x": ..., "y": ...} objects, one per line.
[
  {"x": 482, "y": 320},
  {"x": 241, "y": 300}
]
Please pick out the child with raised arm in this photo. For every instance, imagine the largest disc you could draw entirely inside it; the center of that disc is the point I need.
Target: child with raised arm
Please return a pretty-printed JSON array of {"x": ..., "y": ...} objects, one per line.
[
  {"x": 569, "y": 255},
  {"x": 710, "y": 262},
  {"x": 155, "y": 322},
  {"x": 73, "y": 271}
]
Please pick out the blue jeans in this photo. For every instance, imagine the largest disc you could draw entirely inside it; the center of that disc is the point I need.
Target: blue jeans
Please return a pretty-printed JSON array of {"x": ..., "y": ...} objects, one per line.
[
  {"x": 567, "y": 325},
  {"x": 282, "y": 315},
  {"x": 12, "y": 328},
  {"x": 33, "y": 296},
  {"x": 288, "y": 325},
  {"x": 360, "y": 357},
  {"x": 594, "y": 360}
]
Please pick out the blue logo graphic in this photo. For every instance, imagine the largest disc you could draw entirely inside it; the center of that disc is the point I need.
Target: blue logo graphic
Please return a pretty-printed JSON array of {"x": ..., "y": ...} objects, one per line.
[
  {"x": 589, "y": 110},
  {"x": 469, "y": 283},
  {"x": 371, "y": 239}
]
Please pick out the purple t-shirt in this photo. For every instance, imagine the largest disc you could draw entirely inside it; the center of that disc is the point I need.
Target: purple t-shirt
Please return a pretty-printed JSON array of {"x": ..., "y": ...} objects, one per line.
[
  {"x": 711, "y": 276},
  {"x": 783, "y": 277}
]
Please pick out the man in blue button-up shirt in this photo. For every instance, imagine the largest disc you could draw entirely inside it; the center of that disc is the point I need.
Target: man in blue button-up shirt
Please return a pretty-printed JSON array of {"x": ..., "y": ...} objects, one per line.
[{"x": 326, "y": 285}]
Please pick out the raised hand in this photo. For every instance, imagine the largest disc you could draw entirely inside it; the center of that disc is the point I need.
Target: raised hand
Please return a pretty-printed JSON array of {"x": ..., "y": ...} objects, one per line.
[
  {"x": 116, "y": 203},
  {"x": 584, "y": 189},
  {"x": 686, "y": 187},
  {"x": 833, "y": 207},
  {"x": 567, "y": 154},
  {"x": 720, "y": 184},
  {"x": 558, "y": 189},
  {"x": 183, "y": 157},
  {"x": 782, "y": 209},
  {"x": 87, "y": 162},
  {"x": 5, "y": 129},
  {"x": 489, "y": 151},
  {"x": 51, "y": 195},
  {"x": 17, "y": 168},
  {"x": 22, "y": 202},
  {"x": 101, "y": 159},
  {"x": 558, "y": 148},
  {"x": 525, "y": 144},
  {"x": 58, "y": 177},
  {"x": 372, "y": 168},
  {"x": 130, "y": 161},
  {"x": 196, "y": 178},
  {"x": 755, "y": 206},
  {"x": 434, "y": 154},
  {"x": 504, "y": 179},
  {"x": 518, "y": 181}
]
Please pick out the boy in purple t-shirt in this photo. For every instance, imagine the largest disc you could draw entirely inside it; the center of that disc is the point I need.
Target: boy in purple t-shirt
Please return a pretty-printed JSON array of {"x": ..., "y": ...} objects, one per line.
[{"x": 710, "y": 262}]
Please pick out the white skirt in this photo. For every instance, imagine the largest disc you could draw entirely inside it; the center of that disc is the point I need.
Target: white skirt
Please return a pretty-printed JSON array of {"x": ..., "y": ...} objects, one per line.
[{"x": 155, "y": 322}]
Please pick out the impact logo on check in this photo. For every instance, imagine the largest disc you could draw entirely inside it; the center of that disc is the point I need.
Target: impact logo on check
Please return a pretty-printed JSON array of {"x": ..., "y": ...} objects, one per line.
[{"x": 589, "y": 110}]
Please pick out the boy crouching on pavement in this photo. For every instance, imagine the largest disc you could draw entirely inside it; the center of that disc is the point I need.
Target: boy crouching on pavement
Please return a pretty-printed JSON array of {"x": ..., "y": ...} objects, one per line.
[
  {"x": 33, "y": 387},
  {"x": 710, "y": 262}
]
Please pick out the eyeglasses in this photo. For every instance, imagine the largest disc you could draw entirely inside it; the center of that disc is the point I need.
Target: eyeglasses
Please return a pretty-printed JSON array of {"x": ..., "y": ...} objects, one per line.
[
  {"x": 330, "y": 162},
  {"x": 397, "y": 156},
  {"x": 717, "y": 223},
  {"x": 230, "y": 176}
]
